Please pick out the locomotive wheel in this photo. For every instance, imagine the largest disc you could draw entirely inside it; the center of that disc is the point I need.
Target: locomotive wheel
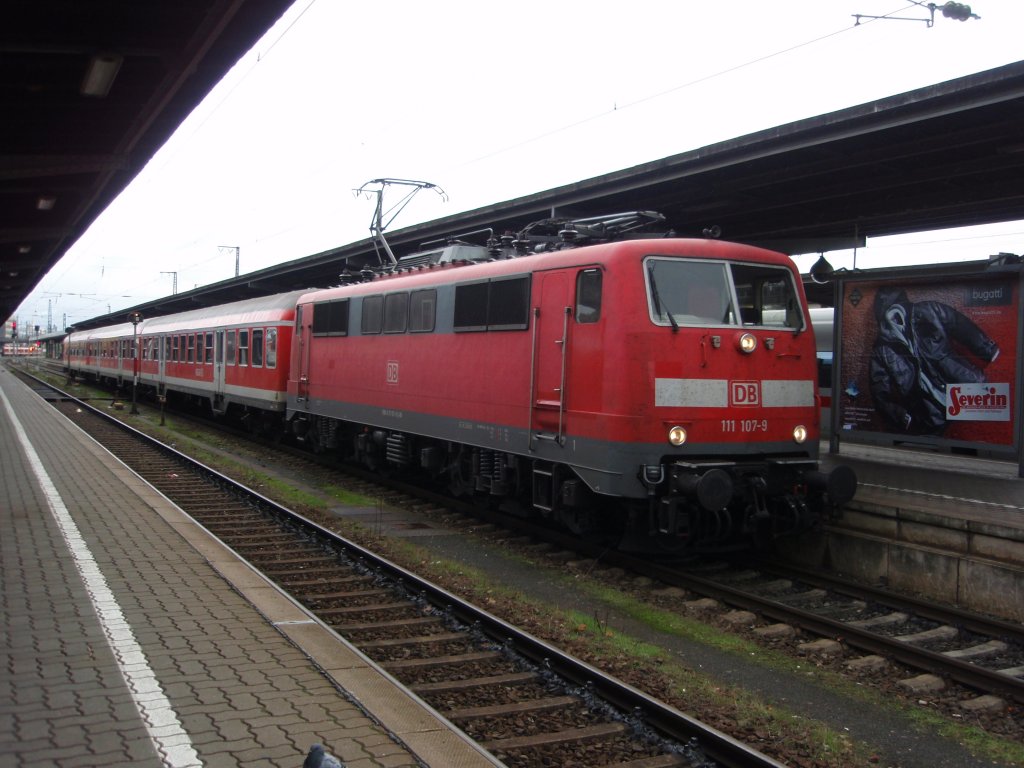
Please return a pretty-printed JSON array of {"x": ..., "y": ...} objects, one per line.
[
  {"x": 460, "y": 475},
  {"x": 579, "y": 521}
]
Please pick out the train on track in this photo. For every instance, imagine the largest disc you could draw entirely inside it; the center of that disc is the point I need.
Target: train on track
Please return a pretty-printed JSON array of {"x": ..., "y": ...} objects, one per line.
[{"x": 658, "y": 391}]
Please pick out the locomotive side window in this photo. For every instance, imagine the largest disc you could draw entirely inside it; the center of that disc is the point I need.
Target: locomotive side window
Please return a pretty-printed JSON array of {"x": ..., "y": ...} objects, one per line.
[
  {"x": 271, "y": 347},
  {"x": 496, "y": 305},
  {"x": 508, "y": 306},
  {"x": 588, "y": 296},
  {"x": 257, "y": 347},
  {"x": 372, "y": 318},
  {"x": 330, "y": 318},
  {"x": 396, "y": 312},
  {"x": 229, "y": 347},
  {"x": 243, "y": 347},
  {"x": 471, "y": 307},
  {"x": 422, "y": 310}
]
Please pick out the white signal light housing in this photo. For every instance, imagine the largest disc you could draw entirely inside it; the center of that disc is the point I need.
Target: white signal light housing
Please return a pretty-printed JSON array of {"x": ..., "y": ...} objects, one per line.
[
  {"x": 746, "y": 343},
  {"x": 677, "y": 436},
  {"x": 800, "y": 433}
]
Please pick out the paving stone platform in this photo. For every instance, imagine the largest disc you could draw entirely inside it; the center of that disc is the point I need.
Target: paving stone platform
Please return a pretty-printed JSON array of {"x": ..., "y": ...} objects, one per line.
[{"x": 129, "y": 637}]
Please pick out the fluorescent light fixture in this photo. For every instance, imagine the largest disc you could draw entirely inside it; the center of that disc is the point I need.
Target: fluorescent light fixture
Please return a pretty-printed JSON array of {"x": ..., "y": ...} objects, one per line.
[
  {"x": 100, "y": 74},
  {"x": 46, "y": 202}
]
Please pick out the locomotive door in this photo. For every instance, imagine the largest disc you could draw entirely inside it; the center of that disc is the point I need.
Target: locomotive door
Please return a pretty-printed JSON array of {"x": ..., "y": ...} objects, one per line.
[{"x": 551, "y": 316}]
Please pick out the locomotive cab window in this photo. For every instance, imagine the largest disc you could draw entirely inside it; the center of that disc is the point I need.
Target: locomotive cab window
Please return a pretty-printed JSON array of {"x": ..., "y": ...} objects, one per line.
[
  {"x": 767, "y": 296},
  {"x": 588, "y": 296},
  {"x": 705, "y": 292}
]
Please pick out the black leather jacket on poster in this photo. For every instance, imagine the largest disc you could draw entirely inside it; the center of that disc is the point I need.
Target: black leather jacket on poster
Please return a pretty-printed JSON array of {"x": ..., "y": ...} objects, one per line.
[{"x": 913, "y": 359}]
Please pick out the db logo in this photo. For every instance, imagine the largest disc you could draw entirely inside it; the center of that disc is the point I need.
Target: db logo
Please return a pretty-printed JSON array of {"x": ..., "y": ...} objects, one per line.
[
  {"x": 745, "y": 393},
  {"x": 392, "y": 373}
]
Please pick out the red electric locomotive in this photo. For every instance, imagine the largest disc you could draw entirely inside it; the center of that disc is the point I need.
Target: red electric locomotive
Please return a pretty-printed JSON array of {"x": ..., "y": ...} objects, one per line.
[{"x": 663, "y": 391}]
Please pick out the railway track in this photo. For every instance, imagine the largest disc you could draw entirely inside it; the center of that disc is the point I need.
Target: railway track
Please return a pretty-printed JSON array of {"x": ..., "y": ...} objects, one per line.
[
  {"x": 873, "y": 627},
  {"x": 523, "y": 700},
  {"x": 870, "y": 628}
]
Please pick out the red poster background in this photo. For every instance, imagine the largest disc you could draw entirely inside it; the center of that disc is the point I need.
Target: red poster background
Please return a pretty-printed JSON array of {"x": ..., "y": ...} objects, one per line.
[{"x": 997, "y": 319}]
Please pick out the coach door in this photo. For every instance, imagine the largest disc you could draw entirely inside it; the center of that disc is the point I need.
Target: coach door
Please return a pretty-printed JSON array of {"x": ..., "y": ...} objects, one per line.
[
  {"x": 303, "y": 326},
  {"x": 551, "y": 315},
  {"x": 219, "y": 403}
]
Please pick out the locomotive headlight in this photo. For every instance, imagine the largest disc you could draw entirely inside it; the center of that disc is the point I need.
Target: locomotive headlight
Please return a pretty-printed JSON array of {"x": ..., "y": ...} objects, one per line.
[
  {"x": 746, "y": 342},
  {"x": 677, "y": 435},
  {"x": 800, "y": 433}
]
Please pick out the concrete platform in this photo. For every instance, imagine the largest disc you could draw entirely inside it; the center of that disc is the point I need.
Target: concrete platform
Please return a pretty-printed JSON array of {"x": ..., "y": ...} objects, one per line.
[
  {"x": 131, "y": 637},
  {"x": 945, "y": 527}
]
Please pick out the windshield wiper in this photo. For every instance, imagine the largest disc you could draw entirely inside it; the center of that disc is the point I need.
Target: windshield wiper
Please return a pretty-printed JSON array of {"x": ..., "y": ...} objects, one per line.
[{"x": 657, "y": 299}]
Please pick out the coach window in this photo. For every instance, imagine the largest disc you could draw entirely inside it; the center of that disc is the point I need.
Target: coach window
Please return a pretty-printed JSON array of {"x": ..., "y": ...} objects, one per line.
[
  {"x": 200, "y": 353},
  {"x": 229, "y": 347},
  {"x": 191, "y": 349},
  {"x": 257, "y": 347},
  {"x": 209, "y": 347},
  {"x": 167, "y": 348},
  {"x": 422, "y": 308},
  {"x": 243, "y": 347},
  {"x": 588, "y": 296},
  {"x": 396, "y": 312},
  {"x": 174, "y": 348},
  {"x": 371, "y": 318},
  {"x": 271, "y": 347}
]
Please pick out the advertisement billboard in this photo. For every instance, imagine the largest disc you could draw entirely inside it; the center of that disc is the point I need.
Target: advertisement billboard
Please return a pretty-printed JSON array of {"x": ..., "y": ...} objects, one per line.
[{"x": 930, "y": 359}]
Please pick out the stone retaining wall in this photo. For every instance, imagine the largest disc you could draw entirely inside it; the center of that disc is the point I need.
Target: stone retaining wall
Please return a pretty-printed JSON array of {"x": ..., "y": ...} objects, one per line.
[{"x": 977, "y": 566}]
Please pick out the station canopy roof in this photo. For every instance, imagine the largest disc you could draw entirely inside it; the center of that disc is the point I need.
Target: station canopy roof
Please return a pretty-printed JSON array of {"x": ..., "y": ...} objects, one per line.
[
  {"x": 948, "y": 155},
  {"x": 89, "y": 91}
]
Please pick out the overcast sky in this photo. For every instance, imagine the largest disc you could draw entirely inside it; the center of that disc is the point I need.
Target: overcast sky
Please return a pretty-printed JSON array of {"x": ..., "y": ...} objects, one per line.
[{"x": 492, "y": 101}]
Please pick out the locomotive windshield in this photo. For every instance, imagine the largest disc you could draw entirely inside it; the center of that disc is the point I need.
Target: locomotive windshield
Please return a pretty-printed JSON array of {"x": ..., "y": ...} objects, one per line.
[{"x": 701, "y": 292}]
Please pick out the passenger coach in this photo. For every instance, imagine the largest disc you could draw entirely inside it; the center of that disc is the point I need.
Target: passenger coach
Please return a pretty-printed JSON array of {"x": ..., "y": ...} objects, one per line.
[{"x": 230, "y": 356}]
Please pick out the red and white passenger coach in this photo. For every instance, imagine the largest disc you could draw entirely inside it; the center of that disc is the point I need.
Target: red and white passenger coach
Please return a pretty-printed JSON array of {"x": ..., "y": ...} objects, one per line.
[{"x": 234, "y": 356}]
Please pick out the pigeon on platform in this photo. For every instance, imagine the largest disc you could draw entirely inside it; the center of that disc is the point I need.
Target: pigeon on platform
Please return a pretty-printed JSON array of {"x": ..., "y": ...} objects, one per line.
[{"x": 317, "y": 758}]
